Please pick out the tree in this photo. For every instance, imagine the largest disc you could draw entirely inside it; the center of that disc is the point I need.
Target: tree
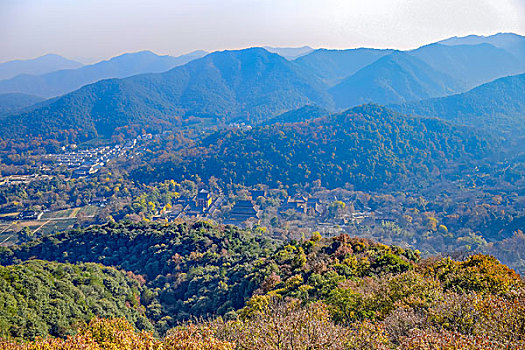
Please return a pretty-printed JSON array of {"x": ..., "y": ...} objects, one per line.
[
  {"x": 336, "y": 209},
  {"x": 26, "y": 234}
]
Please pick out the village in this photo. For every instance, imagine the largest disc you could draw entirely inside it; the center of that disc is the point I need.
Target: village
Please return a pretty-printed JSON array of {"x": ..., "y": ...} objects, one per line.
[
  {"x": 86, "y": 162},
  {"x": 75, "y": 163},
  {"x": 256, "y": 208},
  {"x": 267, "y": 208}
]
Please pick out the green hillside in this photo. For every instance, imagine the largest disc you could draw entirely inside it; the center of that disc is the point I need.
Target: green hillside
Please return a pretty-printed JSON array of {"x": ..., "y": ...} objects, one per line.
[
  {"x": 368, "y": 146},
  {"x": 202, "y": 269},
  {"x": 299, "y": 115},
  {"x": 199, "y": 269},
  {"x": 496, "y": 105},
  {"x": 41, "y": 298},
  {"x": 14, "y": 102}
]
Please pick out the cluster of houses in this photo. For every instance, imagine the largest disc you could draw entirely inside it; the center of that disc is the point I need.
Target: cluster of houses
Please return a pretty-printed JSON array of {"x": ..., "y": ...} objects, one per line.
[
  {"x": 78, "y": 158},
  {"x": 87, "y": 162},
  {"x": 201, "y": 205},
  {"x": 302, "y": 205},
  {"x": 244, "y": 211},
  {"x": 12, "y": 180},
  {"x": 205, "y": 205}
]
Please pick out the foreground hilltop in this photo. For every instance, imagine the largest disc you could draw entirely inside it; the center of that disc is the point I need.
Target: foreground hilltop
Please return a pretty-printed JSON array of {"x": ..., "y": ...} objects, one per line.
[{"x": 200, "y": 269}]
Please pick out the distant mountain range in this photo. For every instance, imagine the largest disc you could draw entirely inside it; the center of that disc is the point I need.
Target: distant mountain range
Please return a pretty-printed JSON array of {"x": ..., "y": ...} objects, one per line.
[
  {"x": 513, "y": 43},
  {"x": 251, "y": 84},
  {"x": 41, "y": 65},
  {"x": 64, "y": 81},
  {"x": 254, "y": 85},
  {"x": 470, "y": 65},
  {"x": 498, "y": 105},
  {"x": 332, "y": 66}
]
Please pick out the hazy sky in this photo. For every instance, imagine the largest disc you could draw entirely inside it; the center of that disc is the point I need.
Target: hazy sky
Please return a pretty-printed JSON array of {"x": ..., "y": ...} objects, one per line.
[{"x": 105, "y": 28}]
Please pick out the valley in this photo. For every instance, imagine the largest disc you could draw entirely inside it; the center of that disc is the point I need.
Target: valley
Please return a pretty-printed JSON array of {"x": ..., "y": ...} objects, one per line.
[{"x": 376, "y": 196}]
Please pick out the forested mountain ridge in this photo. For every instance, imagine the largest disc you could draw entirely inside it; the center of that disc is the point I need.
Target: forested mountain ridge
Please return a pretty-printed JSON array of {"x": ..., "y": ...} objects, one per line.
[
  {"x": 368, "y": 146},
  {"x": 498, "y": 104},
  {"x": 14, "y": 102},
  {"x": 247, "y": 84},
  {"x": 335, "y": 65},
  {"x": 253, "y": 85},
  {"x": 469, "y": 63},
  {"x": 302, "y": 114},
  {"x": 395, "y": 78},
  {"x": 198, "y": 268}
]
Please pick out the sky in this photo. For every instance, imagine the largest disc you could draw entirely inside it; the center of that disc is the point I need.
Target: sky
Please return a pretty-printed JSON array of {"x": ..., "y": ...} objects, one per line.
[{"x": 94, "y": 29}]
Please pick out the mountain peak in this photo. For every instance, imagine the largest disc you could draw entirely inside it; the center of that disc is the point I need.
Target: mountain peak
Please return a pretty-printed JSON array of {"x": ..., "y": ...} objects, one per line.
[
  {"x": 249, "y": 50},
  {"x": 290, "y": 53},
  {"x": 134, "y": 55},
  {"x": 51, "y": 55},
  {"x": 248, "y": 56},
  {"x": 396, "y": 77}
]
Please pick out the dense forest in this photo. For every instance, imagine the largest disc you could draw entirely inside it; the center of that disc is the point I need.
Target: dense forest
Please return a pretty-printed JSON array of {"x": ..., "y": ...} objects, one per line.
[
  {"x": 368, "y": 146},
  {"x": 351, "y": 288},
  {"x": 41, "y": 298},
  {"x": 14, "y": 102},
  {"x": 180, "y": 262},
  {"x": 299, "y": 115}
]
